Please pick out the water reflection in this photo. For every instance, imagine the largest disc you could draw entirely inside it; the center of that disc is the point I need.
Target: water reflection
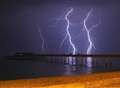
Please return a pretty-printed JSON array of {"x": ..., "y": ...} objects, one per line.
[
  {"x": 13, "y": 69},
  {"x": 71, "y": 60},
  {"x": 89, "y": 62},
  {"x": 72, "y": 70}
]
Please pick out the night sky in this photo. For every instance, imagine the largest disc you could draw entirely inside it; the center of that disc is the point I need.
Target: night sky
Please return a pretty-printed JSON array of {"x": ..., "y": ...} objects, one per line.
[{"x": 20, "y": 21}]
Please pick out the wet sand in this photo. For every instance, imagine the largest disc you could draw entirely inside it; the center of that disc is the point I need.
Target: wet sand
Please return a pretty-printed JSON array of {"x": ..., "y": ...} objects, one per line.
[{"x": 98, "y": 80}]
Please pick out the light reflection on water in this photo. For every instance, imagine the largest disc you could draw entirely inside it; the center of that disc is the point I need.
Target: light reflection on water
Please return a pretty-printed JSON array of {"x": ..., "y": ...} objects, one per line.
[
  {"x": 71, "y": 60},
  {"x": 27, "y": 69}
]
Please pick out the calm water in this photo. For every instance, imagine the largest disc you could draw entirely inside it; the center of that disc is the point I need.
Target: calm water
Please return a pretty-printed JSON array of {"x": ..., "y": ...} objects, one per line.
[{"x": 11, "y": 69}]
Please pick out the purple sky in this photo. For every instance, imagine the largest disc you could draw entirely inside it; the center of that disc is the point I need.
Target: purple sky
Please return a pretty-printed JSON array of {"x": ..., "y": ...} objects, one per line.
[{"x": 20, "y": 23}]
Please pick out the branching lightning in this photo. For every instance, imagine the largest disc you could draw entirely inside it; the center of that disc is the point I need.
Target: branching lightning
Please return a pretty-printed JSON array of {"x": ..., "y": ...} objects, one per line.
[
  {"x": 43, "y": 41},
  {"x": 63, "y": 40},
  {"x": 68, "y": 32},
  {"x": 88, "y": 30},
  {"x": 70, "y": 60}
]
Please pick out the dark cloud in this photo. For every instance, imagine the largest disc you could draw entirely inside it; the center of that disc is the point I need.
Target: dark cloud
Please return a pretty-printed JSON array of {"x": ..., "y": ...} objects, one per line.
[{"x": 35, "y": 2}]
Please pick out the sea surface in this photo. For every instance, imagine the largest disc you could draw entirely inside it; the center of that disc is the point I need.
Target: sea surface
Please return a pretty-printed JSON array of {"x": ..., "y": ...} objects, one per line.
[{"x": 21, "y": 69}]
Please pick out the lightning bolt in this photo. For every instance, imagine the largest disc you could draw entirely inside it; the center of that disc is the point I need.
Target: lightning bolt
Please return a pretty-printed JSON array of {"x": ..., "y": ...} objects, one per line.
[
  {"x": 70, "y": 60},
  {"x": 89, "y": 38},
  {"x": 68, "y": 32},
  {"x": 42, "y": 38},
  {"x": 88, "y": 30}
]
